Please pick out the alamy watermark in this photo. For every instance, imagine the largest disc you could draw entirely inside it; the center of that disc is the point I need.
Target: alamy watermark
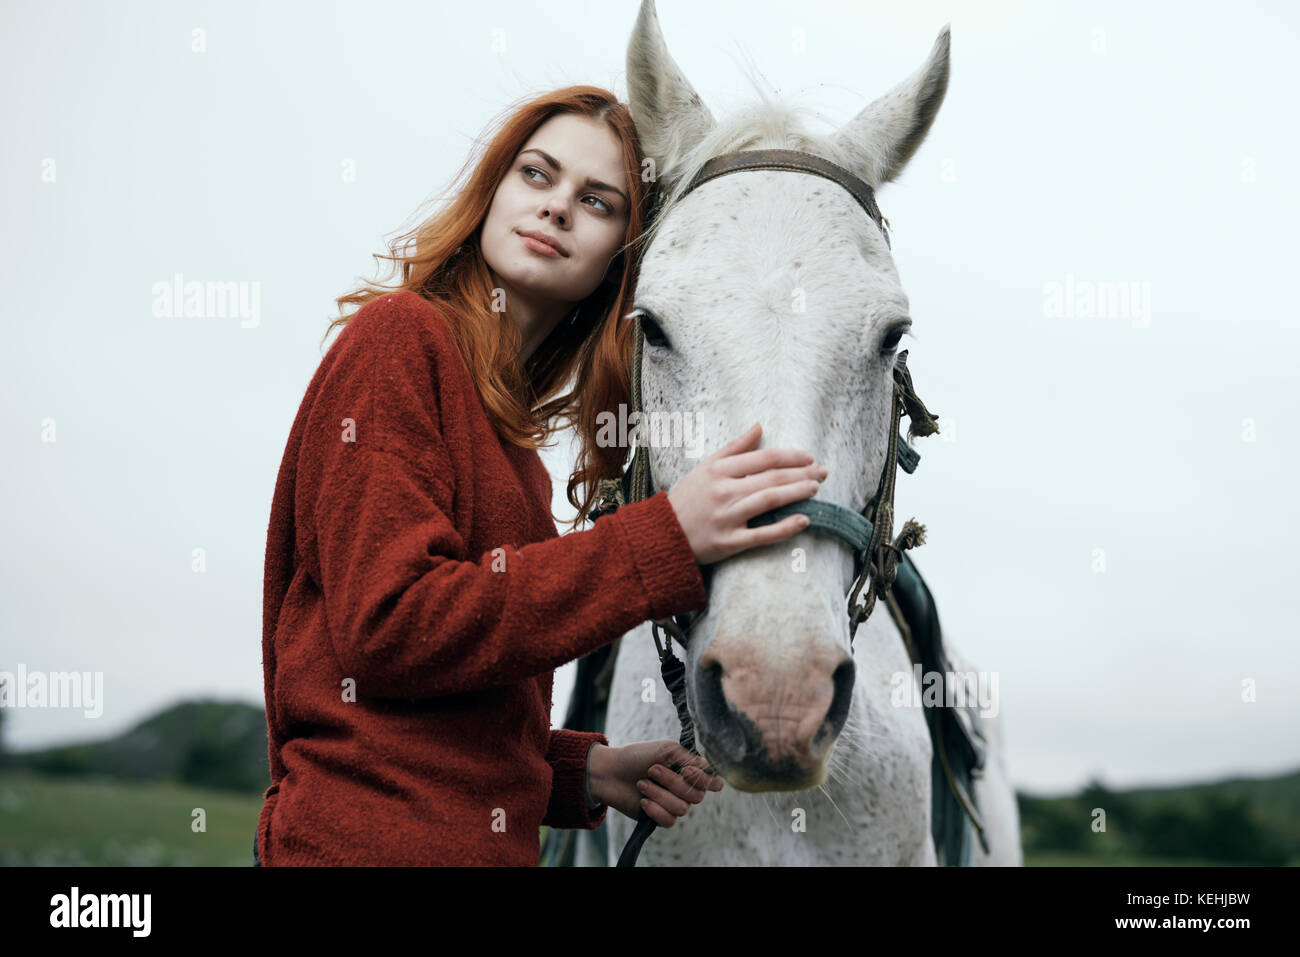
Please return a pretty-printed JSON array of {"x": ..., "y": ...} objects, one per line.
[
  {"x": 1098, "y": 299},
  {"x": 655, "y": 429},
  {"x": 53, "y": 689},
  {"x": 230, "y": 299},
  {"x": 951, "y": 689},
  {"x": 75, "y": 909}
]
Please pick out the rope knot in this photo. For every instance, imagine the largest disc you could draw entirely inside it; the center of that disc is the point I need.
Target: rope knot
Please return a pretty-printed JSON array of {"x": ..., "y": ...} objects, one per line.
[
  {"x": 921, "y": 421},
  {"x": 912, "y": 535},
  {"x": 609, "y": 494}
]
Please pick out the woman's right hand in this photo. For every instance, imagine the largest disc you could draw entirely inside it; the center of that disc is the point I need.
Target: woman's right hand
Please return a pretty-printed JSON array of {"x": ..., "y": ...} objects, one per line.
[{"x": 715, "y": 500}]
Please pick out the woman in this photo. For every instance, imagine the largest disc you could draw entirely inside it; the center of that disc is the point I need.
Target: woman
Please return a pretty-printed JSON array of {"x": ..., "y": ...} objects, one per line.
[{"x": 417, "y": 595}]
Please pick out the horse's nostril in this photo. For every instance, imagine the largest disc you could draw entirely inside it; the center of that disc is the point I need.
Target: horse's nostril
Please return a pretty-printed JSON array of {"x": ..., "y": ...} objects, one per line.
[
  {"x": 728, "y": 727},
  {"x": 710, "y": 668},
  {"x": 711, "y": 698},
  {"x": 842, "y": 679}
]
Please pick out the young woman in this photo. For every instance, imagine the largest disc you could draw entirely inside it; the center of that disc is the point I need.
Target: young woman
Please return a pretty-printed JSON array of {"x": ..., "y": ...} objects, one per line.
[{"x": 417, "y": 596}]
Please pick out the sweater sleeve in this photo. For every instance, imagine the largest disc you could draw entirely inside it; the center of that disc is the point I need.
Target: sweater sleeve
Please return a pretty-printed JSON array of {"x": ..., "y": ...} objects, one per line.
[
  {"x": 409, "y": 613},
  {"x": 567, "y": 756}
]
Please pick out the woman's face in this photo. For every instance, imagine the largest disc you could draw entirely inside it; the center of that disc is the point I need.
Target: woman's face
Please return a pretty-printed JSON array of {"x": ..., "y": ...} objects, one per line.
[{"x": 567, "y": 183}]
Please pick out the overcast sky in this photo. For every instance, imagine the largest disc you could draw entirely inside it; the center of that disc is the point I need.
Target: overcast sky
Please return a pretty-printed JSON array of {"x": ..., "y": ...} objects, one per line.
[{"x": 1111, "y": 517}]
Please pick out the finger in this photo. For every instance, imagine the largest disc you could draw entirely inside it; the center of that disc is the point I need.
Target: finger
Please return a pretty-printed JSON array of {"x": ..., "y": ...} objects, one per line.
[
  {"x": 663, "y": 797},
  {"x": 657, "y": 814},
  {"x": 701, "y": 778},
  {"x": 744, "y": 440},
  {"x": 697, "y": 766},
  {"x": 687, "y": 759},
  {"x": 742, "y": 487},
  {"x": 674, "y": 757},
  {"x": 686, "y": 788},
  {"x": 747, "y": 463},
  {"x": 666, "y": 788},
  {"x": 768, "y": 534},
  {"x": 766, "y": 499}
]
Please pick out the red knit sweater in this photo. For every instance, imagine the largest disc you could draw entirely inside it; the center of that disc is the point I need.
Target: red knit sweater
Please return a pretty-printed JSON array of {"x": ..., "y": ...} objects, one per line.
[{"x": 417, "y": 601}]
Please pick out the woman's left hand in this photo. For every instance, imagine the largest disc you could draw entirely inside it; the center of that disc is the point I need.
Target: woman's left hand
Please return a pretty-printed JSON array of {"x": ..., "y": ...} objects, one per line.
[{"x": 639, "y": 777}]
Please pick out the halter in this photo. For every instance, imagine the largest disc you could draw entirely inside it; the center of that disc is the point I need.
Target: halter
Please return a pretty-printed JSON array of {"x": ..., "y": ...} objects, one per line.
[{"x": 867, "y": 532}]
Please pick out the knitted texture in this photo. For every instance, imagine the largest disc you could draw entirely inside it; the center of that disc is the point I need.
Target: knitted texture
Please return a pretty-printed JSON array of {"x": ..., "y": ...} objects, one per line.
[{"x": 417, "y": 600}]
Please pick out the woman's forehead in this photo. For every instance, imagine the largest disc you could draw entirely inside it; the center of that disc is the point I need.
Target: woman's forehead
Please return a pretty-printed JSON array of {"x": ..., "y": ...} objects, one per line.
[{"x": 580, "y": 145}]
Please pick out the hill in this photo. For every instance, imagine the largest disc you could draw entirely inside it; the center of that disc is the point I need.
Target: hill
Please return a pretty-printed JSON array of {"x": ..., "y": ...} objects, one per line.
[{"x": 206, "y": 744}]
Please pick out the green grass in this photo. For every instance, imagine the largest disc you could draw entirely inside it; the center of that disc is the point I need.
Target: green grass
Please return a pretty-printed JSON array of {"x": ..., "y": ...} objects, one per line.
[
  {"x": 129, "y": 800},
  {"x": 61, "y": 820},
  {"x": 1066, "y": 859},
  {"x": 53, "y": 820}
]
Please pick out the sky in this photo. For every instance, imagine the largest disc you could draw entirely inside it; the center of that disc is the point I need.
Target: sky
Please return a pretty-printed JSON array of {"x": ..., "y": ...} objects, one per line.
[{"x": 1110, "y": 507}]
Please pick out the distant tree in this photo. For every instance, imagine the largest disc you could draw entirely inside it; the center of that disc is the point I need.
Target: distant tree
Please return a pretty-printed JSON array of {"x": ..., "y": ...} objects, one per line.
[
  {"x": 1213, "y": 827},
  {"x": 1121, "y": 814},
  {"x": 1230, "y": 832},
  {"x": 1194, "y": 824},
  {"x": 1053, "y": 824},
  {"x": 1168, "y": 829}
]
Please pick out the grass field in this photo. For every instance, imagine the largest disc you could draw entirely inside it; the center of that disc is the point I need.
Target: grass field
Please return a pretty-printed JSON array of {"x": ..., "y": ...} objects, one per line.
[
  {"x": 48, "y": 820},
  {"x": 78, "y": 821},
  {"x": 132, "y": 800}
]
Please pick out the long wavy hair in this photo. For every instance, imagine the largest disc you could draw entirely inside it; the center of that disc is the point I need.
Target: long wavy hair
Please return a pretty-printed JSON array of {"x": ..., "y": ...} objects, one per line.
[{"x": 442, "y": 260}]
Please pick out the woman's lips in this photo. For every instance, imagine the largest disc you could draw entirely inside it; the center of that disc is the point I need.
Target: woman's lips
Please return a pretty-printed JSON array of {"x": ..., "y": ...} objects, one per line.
[{"x": 538, "y": 246}]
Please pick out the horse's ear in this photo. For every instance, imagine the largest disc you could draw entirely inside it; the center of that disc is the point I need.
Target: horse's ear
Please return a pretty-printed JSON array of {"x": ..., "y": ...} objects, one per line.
[
  {"x": 882, "y": 138},
  {"x": 669, "y": 115}
]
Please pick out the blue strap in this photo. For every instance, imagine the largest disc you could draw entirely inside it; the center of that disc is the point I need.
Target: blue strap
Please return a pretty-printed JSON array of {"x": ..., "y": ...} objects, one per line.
[{"x": 827, "y": 516}]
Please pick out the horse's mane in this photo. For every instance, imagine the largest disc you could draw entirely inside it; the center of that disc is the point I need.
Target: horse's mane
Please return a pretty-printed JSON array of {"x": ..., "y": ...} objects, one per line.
[{"x": 770, "y": 123}]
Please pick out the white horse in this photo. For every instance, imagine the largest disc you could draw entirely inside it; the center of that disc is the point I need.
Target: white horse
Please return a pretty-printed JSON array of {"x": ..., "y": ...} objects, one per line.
[{"x": 775, "y": 293}]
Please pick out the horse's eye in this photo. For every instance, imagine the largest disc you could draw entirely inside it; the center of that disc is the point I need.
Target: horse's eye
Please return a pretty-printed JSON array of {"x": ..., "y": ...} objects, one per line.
[
  {"x": 653, "y": 334},
  {"x": 893, "y": 337}
]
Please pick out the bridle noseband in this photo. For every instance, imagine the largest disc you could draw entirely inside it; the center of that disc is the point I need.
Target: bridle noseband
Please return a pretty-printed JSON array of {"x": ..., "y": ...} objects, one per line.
[{"x": 876, "y": 558}]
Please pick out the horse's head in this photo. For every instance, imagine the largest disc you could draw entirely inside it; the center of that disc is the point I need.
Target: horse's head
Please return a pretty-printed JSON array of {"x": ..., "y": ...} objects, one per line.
[{"x": 772, "y": 296}]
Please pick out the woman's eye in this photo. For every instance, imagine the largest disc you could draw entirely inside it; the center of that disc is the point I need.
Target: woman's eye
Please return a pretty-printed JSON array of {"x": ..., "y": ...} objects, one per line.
[
  {"x": 650, "y": 328},
  {"x": 533, "y": 169}
]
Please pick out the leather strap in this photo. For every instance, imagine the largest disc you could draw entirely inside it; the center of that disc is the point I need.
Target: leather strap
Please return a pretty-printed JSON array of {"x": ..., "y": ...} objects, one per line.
[{"x": 796, "y": 161}]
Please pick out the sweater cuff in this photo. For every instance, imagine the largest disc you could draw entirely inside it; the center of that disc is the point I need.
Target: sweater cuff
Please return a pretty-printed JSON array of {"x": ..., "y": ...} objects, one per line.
[
  {"x": 592, "y": 803},
  {"x": 567, "y": 756},
  {"x": 672, "y": 578}
]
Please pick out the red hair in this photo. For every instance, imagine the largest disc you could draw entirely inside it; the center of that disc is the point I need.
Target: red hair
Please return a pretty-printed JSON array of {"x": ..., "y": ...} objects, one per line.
[{"x": 442, "y": 260}]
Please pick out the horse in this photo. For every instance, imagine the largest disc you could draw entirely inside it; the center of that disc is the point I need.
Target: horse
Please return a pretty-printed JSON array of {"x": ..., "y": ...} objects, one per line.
[{"x": 774, "y": 298}]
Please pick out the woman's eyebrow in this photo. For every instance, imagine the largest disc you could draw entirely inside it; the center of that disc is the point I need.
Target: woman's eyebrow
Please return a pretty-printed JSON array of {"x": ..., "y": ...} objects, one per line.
[{"x": 593, "y": 183}]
